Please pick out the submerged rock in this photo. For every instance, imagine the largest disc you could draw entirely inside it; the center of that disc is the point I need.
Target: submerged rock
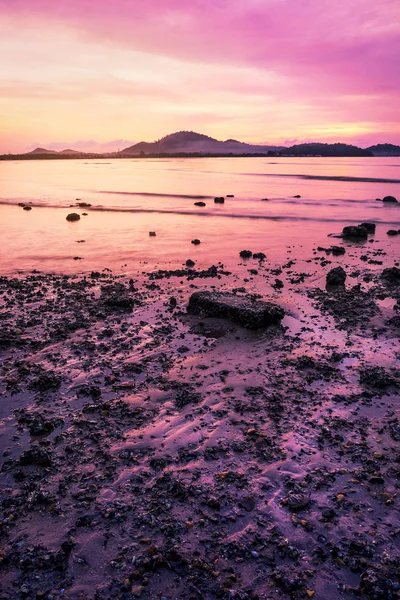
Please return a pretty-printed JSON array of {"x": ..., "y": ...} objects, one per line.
[
  {"x": 355, "y": 232},
  {"x": 244, "y": 311},
  {"x": 336, "y": 276}
]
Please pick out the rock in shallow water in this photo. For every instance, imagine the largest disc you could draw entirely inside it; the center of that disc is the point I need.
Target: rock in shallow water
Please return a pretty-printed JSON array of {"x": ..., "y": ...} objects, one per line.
[
  {"x": 355, "y": 232},
  {"x": 336, "y": 276},
  {"x": 244, "y": 311},
  {"x": 73, "y": 217}
]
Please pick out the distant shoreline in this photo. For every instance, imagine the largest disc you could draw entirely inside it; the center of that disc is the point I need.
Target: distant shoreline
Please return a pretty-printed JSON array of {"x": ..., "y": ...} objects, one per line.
[{"x": 7, "y": 157}]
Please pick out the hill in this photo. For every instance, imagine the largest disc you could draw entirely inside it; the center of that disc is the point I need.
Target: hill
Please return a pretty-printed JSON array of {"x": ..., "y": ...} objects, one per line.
[
  {"x": 318, "y": 149},
  {"x": 385, "y": 150},
  {"x": 190, "y": 142},
  {"x": 42, "y": 151}
]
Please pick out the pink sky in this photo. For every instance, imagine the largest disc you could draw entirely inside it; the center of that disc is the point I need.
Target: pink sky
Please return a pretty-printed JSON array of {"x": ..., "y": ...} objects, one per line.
[{"x": 256, "y": 70}]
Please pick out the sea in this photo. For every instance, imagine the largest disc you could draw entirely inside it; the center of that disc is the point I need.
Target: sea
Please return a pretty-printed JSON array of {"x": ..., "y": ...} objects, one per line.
[{"x": 270, "y": 204}]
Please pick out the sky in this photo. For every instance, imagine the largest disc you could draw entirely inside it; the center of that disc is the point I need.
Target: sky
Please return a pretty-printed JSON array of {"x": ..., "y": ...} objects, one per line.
[{"x": 96, "y": 74}]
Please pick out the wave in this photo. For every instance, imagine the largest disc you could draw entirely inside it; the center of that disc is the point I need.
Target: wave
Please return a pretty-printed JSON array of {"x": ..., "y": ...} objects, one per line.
[
  {"x": 155, "y": 195},
  {"x": 205, "y": 213},
  {"x": 327, "y": 177},
  {"x": 226, "y": 215}
]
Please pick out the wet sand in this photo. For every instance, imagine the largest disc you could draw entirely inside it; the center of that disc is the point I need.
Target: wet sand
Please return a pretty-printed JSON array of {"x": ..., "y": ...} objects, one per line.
[{"x": 151, "y": 453}]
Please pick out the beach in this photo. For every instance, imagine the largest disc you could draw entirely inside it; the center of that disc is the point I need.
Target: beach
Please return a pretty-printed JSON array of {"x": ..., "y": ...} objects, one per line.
[{"x": 156, "y": 452}]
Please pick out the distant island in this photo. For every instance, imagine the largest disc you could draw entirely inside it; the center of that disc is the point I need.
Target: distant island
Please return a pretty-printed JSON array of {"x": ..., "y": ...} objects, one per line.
[{"x": 192, "y": 144}]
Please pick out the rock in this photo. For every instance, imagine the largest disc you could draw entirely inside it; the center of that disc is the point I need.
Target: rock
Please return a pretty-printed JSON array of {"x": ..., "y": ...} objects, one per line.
[
  {"x": 200, "y": 204},
  {"x": 219, "y": 200},
  {"x": 370, "y": 227},
  {"x": 244, "y": 311},
  {"x": 337, "y": 250},
  {"x": 214, "y": 503},
  {"x": 259, "y": 256},
  {"x": 355, "y": 232},
  {"x": 73, "y": 217},
  {"x": 36, "y": 456},
  {"x": 297, "y": 196},
  {"x": 390, "y": 200},
  {"x": 45, "y": 382},
  {"x": 116, "y": 301},
  {"x": 230, "y": 196},
  {"x": 190, "y": 263},
  {"x": 84, "y": 205},
  {"x": 392, "y": 232},
  {"x": 278, "y": 285},
  {"x": 391, "y": 275},
  {"x": 186, "y": 396},
  {"x": 245, "y": 254},
  {"x": 152, "y": 234},
  {"x": 247, "y": 503},
  {"x": 27, "y": 208},
  {"x": 298, "y": 501},
  {"x": 196, "y": 242},
  {"x": 336, "y": 276},
  {"x": 376, "y": 377}
]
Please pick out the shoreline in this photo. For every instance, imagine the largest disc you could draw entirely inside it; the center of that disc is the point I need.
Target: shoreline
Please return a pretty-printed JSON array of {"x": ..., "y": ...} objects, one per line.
[{"x": 153, "y": 453}]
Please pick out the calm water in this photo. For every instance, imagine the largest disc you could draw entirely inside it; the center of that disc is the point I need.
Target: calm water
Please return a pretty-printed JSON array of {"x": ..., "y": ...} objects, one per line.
[{"x": 129, "y": 198}]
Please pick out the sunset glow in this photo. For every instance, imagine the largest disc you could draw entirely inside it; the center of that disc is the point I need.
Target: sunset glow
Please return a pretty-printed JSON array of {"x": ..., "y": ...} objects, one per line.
[{"x": 260, "y": 71}]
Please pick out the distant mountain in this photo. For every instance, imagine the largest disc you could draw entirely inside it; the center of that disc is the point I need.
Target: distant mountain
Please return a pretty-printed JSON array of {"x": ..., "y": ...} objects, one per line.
[
  {"x": 317, "y": 149},
  {"x": 385, "y": 150},
  {"x": 189, "y": 142},
  {"x": 42, "y": 151},
  {"x": 69, "y": 152}
]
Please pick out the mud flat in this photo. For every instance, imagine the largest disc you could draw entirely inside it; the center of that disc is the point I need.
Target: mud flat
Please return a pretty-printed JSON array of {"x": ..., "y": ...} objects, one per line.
[{"x": 149, "y": 452}]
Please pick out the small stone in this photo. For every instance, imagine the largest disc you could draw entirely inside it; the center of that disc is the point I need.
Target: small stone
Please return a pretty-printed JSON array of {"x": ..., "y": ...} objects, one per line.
[
  {"x": 247, "y": 503},
  {"x": 190, "y": 263},
  {"x": 214, "y": 503},
  {"x": 152, "y": 234},
  {"x": 137, "y": 591}
]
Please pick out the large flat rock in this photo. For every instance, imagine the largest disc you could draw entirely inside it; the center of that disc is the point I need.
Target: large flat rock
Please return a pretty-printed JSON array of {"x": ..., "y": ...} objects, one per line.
[{"x": 244, "y": 311}]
